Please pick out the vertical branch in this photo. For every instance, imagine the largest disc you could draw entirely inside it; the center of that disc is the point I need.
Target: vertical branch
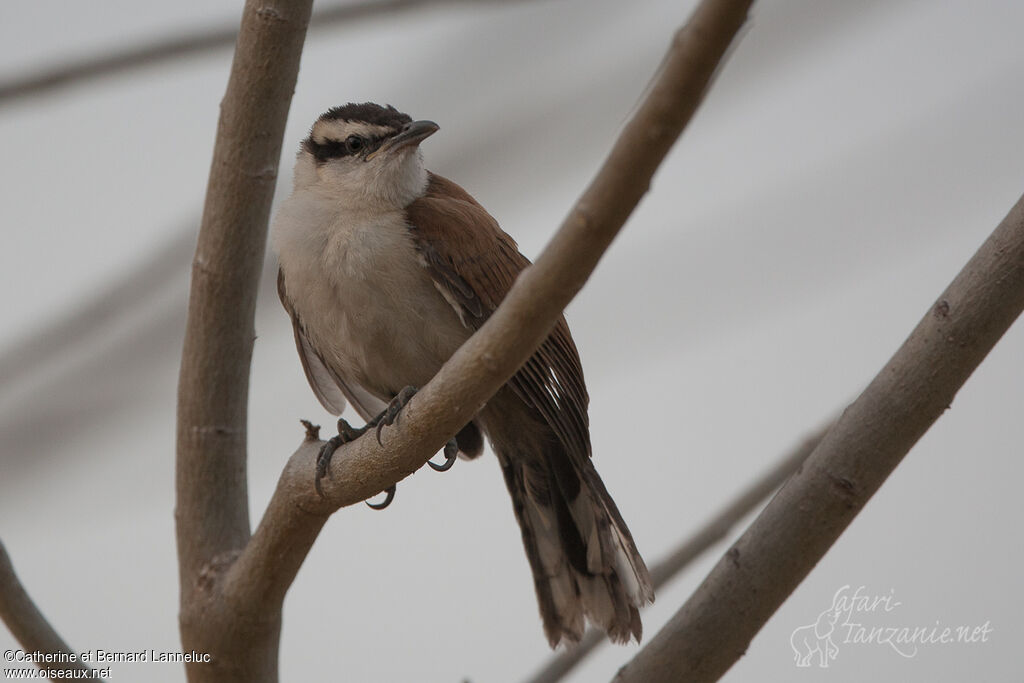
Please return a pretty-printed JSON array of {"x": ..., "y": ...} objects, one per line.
[
  {"x": 212, "y": 504},
  {"x": 715, "y": 626}
]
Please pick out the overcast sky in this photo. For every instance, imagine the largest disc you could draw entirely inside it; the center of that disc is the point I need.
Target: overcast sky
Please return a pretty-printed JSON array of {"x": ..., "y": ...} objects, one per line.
[{"x": 849, "y": 160}]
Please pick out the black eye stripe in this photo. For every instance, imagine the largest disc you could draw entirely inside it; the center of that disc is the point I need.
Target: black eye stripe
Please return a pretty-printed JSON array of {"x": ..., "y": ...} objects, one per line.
[{"x": 335, "y": 149}]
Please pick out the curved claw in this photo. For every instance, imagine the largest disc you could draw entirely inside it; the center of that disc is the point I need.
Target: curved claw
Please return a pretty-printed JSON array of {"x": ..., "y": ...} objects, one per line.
[
  {"x": 346, "y": 433},
  {"x": 323, "y": 460},
  {"x": 387, "y": 501},
  {"x": 390, "y": 414},
  {"x": 451, "y": 454}
]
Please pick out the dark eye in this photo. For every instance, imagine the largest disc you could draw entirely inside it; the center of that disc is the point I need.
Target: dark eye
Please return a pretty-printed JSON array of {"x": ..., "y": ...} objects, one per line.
[{"x": 355, "y": 144}]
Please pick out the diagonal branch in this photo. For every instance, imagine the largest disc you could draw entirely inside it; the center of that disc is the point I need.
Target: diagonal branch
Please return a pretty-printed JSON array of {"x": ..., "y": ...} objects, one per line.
[
  {"x": 715, "y": 530},
  {"x": 715, "y": 626},
  {"x": 232, "y": 586},
  {"x": 30, "y": 628},
  {"x": 265, "y": 569},
  {"x": 198, "y": 42}
]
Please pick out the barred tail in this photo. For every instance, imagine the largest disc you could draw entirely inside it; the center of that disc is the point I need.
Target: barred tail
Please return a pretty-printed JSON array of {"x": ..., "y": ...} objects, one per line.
[{"x": 583, "y": 558}]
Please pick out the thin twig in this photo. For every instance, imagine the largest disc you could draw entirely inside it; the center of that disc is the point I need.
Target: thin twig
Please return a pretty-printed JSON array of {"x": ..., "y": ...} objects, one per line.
[
  {"x": 362, "y": 468},
  {"x": 30, "y": 628},
  {"x": 198, "y": 42},
  {"x": 715, "y": 626},
  {"x": 715, "y": 530}
]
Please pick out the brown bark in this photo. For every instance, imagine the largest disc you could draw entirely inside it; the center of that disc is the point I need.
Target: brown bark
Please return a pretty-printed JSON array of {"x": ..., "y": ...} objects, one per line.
[
  {"x": 715, "y": 626},
  {"x": 212, "y": 504}
]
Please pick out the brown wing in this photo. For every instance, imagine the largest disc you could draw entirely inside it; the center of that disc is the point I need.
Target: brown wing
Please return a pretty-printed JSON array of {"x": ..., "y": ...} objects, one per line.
[{"x": 476, "y": 279}]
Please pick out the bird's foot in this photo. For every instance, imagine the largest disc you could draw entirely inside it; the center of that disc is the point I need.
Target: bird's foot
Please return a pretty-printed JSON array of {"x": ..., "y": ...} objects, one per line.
[
  {"x": 451, "y": 454},
  {"x": 390, "y": 414},
  {"x": 346, "y": 433},
  {"x": 387, "y": 418},
  {"x": 390, "y": 491}
]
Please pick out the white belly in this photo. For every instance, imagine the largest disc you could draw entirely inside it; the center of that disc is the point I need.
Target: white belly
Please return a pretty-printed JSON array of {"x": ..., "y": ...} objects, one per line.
[{"x": 367, "y": 304}]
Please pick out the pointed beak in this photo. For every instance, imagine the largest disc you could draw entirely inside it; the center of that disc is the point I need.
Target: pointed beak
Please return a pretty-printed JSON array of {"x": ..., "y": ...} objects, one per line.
[{"x": 413, "y": 134}]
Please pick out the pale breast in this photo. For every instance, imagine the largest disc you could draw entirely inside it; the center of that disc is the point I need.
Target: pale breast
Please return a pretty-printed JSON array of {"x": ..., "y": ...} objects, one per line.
[{"x": 368, "y": 306}]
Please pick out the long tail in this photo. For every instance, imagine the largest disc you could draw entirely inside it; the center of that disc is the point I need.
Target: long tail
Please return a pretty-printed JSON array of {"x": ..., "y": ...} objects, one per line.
[{"x": 584, "y": 560}]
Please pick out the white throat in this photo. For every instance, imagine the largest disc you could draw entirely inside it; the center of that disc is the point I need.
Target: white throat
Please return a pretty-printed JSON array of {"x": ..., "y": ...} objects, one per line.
[{"x": 380, "y": 185}]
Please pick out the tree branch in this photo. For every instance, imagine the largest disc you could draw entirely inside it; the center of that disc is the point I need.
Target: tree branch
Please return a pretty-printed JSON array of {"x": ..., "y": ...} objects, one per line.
[
  {"x": 28, "y": 625},
  {"x": 202, "y": 41},
  {"x": 363, "y": 468},
  {"x": 715, "y": 530},
  {"x": 715, "y": 626},
  {"x": 212, "y": 505}
]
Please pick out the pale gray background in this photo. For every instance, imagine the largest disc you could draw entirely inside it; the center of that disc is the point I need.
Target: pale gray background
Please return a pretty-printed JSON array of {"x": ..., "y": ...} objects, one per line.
[{"x": 851, "y": 157}]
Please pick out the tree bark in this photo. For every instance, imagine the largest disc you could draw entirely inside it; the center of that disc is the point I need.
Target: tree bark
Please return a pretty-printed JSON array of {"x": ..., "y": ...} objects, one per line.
[
  {"x": 212, "y": 503},
  {"x": 715, "y": 626}
]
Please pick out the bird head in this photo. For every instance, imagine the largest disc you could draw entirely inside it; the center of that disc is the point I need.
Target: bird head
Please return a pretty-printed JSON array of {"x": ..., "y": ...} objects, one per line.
[{"x": 365, "y": 154}]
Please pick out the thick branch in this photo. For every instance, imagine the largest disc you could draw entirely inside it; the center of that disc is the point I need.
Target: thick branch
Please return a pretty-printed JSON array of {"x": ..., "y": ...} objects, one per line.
[
  {"x": 212, "y": 505},
  {"x": 715, "y": 626},
  {"x": 715, "y": 530},
  {"x": 28, "y": 625},
  {"x": 485, "y": 362}
]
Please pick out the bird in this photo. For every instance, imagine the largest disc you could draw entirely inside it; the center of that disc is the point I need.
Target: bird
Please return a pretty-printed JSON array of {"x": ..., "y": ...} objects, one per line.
[{"x": 386, "y": 269}]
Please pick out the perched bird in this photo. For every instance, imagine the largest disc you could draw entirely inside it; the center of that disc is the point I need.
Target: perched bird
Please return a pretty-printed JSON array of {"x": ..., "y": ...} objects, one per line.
[{"x": 386, "y": 269}]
